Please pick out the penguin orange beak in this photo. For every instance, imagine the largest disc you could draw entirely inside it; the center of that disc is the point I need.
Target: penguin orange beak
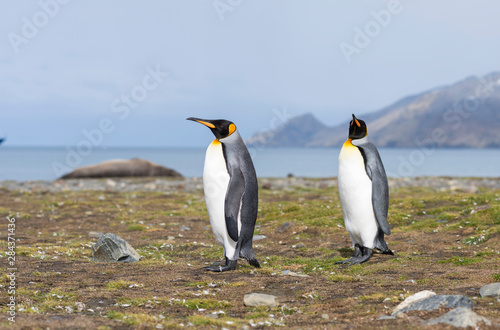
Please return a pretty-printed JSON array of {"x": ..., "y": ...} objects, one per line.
[
  {"x": 355, "y": 120},
  {"x": 201, "y": 121}
]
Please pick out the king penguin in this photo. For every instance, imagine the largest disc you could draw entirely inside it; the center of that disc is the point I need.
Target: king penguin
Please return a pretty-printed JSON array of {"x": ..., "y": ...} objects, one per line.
[
  {"x": 364, "y": 194},
  {"x": 230, "y": 186}
]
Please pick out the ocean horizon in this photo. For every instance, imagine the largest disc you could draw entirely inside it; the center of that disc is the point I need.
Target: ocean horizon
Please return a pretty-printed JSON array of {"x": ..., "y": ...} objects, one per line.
[{"x": 49, "y": 163}]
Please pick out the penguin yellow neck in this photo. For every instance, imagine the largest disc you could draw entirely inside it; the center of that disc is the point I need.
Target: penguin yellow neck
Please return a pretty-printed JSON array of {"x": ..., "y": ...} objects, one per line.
[
  {"x": 216, "y": 142},
  {"x": 348, "y": 143}
]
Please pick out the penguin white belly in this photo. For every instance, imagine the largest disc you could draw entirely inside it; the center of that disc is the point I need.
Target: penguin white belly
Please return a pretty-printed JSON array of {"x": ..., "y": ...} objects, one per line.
[
  {"x": 355, "y": 191},
  {"x": 215, "y": 184}
]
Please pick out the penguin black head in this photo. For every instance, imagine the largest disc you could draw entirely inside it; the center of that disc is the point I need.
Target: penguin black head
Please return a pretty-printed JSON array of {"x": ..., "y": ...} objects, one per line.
[
  {"x": 220, "y": 127},
  {"x": 357, "y": 128}
]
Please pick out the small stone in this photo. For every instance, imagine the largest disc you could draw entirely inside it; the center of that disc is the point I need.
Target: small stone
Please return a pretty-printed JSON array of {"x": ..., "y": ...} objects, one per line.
[
  {"x": 110, "y": 183},
  {"x": 185, "y": 228},
  {"x": 437, "y": 301},
  {"x": 325, "y": 316},
  {"x": 111, "y": 248},
  {"x": 266, "y": 185},
  {"x": 80, "y": 306},
  {"x": 258, "y": 237},
  {"x": 284, "y": 227},
  {"x": 95, "y": 234},
  {"x": 159, "y": 326},
  {"x": 300, "y": 246},
  {"x": 492, "y": 289},
  {"x": 387, "y": 317},
  {"x": 259, "y": 300},
  {"x": 413, "y": 299},
  {"x": 460, "y": 317}
]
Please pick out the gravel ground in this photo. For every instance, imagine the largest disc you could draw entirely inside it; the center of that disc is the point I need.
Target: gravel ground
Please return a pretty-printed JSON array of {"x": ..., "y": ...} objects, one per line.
[{"x": 470, "y": 185}]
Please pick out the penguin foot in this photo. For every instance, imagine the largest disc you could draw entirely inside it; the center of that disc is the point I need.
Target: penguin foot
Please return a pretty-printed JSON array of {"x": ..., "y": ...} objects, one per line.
[{"x": 230, "y": 265}]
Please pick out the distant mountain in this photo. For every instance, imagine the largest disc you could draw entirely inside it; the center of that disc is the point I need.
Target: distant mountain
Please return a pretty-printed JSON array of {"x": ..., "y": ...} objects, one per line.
[{"x": 465, "y": 114}]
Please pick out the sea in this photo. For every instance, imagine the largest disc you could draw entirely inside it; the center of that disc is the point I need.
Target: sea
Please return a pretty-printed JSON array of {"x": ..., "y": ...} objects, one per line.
[{"x": 49, "y": 163}]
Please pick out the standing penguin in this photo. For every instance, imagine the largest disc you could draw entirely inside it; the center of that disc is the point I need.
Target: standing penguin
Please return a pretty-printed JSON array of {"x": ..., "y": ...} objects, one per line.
[
  {"x": 230, "y": 186},
  {"x": 364, "y": 194}
]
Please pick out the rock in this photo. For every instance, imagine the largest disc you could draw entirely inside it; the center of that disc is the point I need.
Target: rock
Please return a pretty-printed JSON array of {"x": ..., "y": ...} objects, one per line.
[
  {"x": 121, "y": 168},
  {"x": 284, "y": 227},
  {"x": 387, "y": 317},
  {"x": 259, "y": 299},
  {"x": 413, "y": 299},
  {"x": 258, "y": 237},
  {"x": 290, "y": 273},
  {"x": 325, "y": 316},
  {"x": 95, "y": 234},
  {"x": 80, "y": 306},
  {"x": 460, "y": 317},
  {"x": 300, "y": 246},
  {"x": 437, "y": 301},
  {"x": 267, "y": 186},
  {"x": 492, "y": 289},
  {"x": 111, "y": 247},
  {"x": 184, "y": 228}
]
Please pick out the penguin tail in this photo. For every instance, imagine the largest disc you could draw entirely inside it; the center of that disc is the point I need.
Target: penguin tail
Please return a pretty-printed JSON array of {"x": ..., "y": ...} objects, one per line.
[
  {"x": 381, "y": 245},
  {"x": 254, "y": 262},
  {"x": 248, "y": 253},
  {"x": 388, "y": 251}
]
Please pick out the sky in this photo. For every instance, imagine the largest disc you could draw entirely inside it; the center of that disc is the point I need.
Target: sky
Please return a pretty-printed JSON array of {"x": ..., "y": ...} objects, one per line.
[{"x": 128, "y": 73}]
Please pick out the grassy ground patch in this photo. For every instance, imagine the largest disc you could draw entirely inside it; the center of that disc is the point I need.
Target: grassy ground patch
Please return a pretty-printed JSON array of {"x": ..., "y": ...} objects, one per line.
[{"x": 448, "y": 242}]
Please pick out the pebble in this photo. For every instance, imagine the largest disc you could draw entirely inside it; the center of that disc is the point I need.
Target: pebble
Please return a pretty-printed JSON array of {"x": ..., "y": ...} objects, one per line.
[
  {"x": 184, "y": 228},
  {"x": 284, "y": 227},
  {"x": 290, "y": 273},
  {"x": 95, "y": 234},
  {"x": 258, "y": 237},
  {"x": 460, "y": 317},
  {"x": 259, "y": 300},
  {"x": 492, "y": 289}
]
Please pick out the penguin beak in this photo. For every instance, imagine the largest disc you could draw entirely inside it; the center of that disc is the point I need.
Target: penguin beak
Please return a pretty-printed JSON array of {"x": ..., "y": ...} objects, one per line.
[
  {"x": 202, "y": 121},
  {"x": 355, "y": 120}
]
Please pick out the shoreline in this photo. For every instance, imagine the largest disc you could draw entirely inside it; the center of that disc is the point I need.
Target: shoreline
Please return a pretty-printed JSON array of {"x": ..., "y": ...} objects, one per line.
[{"x": 441, "y": 183}]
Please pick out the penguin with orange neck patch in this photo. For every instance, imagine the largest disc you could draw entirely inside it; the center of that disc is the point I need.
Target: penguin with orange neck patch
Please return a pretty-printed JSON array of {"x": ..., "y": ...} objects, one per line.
[
  {"x": 364, "y": 194},
  {"x": 230, "y": 186}
]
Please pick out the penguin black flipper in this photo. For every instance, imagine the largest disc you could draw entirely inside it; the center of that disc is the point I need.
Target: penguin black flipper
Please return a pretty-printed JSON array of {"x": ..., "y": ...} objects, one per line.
[
  {"x": 234, "y": 196},
  {"x": 380, "y": 188}
]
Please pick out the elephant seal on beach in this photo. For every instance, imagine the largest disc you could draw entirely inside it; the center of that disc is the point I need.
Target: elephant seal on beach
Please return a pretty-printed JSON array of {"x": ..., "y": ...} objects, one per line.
[{"x": 122, "y": 168}]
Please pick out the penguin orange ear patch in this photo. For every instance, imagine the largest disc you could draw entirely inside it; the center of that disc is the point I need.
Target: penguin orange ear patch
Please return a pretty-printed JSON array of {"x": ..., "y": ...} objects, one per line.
[
  {"x": 357, "y": 122},
  {"x": 232, "y": 128}
]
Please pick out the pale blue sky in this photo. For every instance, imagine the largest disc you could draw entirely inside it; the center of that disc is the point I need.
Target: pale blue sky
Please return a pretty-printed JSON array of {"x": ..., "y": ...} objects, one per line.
[{"x": 244, "y": 64}]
